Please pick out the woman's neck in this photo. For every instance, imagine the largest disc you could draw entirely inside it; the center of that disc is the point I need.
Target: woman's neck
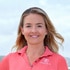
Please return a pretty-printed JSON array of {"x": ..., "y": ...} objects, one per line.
[
  {"x": 35, "y": 49},
  {"x": 34, "y": 52}
]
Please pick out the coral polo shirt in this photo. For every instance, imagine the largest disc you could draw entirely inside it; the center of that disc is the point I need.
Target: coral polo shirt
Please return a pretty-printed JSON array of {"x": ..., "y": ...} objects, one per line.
[{"x": 19, "y": 61}]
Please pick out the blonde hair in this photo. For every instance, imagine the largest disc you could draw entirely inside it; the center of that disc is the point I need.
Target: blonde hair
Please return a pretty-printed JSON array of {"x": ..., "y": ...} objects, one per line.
[{"x": 51, "y": 39}]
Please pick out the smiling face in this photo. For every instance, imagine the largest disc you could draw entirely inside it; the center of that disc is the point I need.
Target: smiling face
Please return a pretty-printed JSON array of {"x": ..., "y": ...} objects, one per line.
[{"x": 34, "y": 29}]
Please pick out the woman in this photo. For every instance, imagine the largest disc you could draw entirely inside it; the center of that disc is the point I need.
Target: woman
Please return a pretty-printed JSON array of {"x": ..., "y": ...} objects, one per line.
[{"x": 36, "y": 44}]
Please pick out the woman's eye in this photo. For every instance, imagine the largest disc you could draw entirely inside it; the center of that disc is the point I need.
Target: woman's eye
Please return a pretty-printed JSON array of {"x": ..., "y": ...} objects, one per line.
[
  {"x": 39, "y": 26},
  {"x": 28, "y": 26}
]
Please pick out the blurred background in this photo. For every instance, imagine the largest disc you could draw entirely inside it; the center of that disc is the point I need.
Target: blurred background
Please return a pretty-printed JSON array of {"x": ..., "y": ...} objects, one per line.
[{"x": 10, "y": 13}]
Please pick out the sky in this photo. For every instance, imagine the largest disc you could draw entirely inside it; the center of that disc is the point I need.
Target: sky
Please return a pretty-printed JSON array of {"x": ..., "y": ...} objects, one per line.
[{"x": 11, "y": 11}]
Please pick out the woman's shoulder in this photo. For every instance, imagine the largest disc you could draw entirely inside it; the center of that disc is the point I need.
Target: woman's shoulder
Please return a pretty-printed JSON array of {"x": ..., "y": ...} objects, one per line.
[
  {"x": 59, "y": 58},
  {"x": 54, "y": 55},
  {"x": 15, "y": 54},
  {"x": 61, "y": 62},
  {"x": 6, "y": 57}
]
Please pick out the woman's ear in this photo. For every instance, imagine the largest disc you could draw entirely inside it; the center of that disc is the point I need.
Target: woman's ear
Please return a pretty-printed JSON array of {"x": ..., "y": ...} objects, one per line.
[{"x": 22, "y": 30}]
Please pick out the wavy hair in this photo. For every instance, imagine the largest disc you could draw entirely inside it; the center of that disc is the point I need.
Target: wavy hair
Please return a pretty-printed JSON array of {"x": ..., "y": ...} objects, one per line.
[{"x": 52, "y": 39}]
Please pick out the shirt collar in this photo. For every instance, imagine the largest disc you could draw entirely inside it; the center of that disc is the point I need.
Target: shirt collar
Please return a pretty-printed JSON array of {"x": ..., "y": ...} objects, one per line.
[
  {"x": 22, "y": 51},
  {"x": 46, "y": 53}
]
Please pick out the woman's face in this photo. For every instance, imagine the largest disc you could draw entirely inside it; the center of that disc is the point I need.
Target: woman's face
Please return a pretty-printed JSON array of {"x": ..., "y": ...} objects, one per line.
[{"x": 34, "y": 29}]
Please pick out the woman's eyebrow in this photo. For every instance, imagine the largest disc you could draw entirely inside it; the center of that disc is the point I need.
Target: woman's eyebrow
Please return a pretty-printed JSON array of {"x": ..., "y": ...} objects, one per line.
[
  {"x": 28, "y": 24},
  {"x": 36, "y": 24},
  {"x": 39, "y": 24}
]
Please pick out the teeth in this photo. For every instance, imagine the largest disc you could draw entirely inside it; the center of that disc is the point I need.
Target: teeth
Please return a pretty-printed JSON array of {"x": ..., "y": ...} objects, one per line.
[{"x": 34, "y": 36}]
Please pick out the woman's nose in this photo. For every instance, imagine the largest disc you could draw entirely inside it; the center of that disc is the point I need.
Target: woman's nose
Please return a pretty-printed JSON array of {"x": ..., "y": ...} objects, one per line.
[{"x": 34, "y": 29}]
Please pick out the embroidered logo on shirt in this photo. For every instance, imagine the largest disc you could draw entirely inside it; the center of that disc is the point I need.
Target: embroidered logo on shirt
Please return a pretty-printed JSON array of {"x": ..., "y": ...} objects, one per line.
[{"x": 45, "y": 61}]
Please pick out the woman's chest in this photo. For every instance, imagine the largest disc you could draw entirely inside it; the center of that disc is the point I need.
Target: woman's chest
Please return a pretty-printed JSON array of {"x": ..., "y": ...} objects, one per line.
[{"x": 41, "y": 64}]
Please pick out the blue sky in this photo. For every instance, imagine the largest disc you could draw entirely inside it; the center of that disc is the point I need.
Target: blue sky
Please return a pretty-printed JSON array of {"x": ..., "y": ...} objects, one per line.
[{"x": 10, "y": 13}]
